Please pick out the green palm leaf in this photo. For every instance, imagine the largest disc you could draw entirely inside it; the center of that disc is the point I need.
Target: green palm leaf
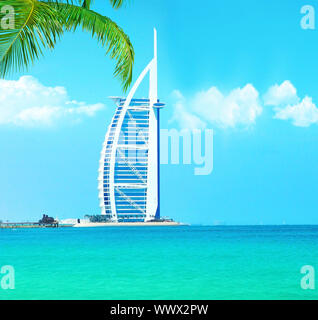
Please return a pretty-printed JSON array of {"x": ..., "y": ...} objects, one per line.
[
  {"x": 117, "y": 3},
  {"x": 39, "y": 24},
  {"x": 106, "y": 31},
  {"x": 35, "y": 28}
]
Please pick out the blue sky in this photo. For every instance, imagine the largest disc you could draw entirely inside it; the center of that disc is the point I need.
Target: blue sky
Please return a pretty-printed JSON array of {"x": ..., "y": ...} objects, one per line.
[{"x": 265, "y": 153}]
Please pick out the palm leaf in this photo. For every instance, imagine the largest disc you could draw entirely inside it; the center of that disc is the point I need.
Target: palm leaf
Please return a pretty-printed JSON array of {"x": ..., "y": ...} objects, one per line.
[
  {"x": 106, "y": 31},
  {"x": 36, "y": 27},
  {"x": 117, "y": 3}
]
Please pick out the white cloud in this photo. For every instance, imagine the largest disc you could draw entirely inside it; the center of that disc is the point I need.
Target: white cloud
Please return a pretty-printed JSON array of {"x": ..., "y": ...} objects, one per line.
[
  {"x": 186, "y": 119},
  {"x": 240, "y": 107},
  {"x": 177, "y": 95},
  {"x": 28, "y": 103},
  {"x": 302, "y": 114},
  {"x": 284, "y": 94},
  {"x": 289, "y": 106}
]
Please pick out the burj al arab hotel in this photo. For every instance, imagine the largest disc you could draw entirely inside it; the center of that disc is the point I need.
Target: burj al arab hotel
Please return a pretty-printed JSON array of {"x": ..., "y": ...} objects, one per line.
[{"x": 128, "y": 180}]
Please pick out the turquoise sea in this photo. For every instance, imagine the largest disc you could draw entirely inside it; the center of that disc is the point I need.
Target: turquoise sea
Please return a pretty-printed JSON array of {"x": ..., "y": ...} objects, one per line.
[{"x": 246, "y": 262}]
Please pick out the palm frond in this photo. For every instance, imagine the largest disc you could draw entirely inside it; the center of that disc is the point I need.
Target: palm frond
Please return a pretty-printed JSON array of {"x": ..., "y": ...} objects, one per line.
[
  {"x": 35, "y": 28},
  {"x": 107, "y": 32},
  {"x": 87, "y": 4},
  {"x": 117, "y": 3},
  {"x": 39, "y": 24}
]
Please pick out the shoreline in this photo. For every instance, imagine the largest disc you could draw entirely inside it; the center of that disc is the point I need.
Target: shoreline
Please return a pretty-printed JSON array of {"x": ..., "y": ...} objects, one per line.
[
  {"x": 128, "y": 224},
  {"x": 14, "y": 226}
]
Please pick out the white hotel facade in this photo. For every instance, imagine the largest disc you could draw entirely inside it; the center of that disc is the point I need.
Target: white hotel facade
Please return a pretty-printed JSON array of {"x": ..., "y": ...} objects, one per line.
[{"x": 129, "y": 172}]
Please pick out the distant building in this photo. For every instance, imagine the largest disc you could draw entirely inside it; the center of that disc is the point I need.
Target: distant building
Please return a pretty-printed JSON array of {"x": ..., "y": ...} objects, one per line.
[
  {"x": 47, "y": 220},
  {"x": 129, "y": 165}
]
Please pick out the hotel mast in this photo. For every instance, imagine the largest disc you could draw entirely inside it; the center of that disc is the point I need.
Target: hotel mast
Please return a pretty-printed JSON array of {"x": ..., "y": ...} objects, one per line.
[{"x": 129, "y": 166}]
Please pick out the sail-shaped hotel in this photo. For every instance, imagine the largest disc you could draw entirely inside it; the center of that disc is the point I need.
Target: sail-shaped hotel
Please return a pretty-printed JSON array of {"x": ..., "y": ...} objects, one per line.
[{"x": 129, "y": 165}]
